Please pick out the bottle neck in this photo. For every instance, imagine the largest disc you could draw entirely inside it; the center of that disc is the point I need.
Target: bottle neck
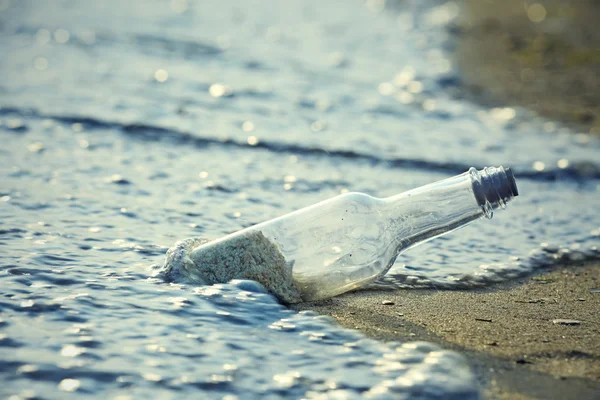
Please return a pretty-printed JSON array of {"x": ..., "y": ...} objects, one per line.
[{"x": 441, "y": 207}]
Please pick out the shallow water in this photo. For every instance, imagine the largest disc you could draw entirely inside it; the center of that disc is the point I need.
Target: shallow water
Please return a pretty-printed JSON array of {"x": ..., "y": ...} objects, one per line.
[{"x": 262, "y": 109}]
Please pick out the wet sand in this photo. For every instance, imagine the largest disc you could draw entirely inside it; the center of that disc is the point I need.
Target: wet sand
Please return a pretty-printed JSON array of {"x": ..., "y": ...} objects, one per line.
[
  {"x": 507, "y": 332},
  {"x": 542, "y": 55}
]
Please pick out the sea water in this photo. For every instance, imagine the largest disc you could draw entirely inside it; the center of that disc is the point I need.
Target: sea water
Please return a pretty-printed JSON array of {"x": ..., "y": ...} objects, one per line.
[{"x": 127, "y": 126}]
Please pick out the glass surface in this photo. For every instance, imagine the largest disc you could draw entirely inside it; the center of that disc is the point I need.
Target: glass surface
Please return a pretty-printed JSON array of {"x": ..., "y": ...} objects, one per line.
[{"x": 345, "y": 242}]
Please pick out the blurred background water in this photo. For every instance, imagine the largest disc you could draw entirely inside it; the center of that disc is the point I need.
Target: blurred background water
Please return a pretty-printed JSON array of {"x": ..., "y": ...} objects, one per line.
[{"x": 127, "y": 126}]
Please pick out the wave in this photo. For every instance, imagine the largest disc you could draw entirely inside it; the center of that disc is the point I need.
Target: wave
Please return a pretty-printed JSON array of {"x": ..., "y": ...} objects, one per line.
[
  {"x": 584, "y": 251},
  {"x": 149, "y": 44},
  {"x": 576, "y": 170}
]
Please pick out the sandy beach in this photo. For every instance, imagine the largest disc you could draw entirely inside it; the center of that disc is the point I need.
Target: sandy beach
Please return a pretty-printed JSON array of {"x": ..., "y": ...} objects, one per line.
[
  {"x": 535, "y": 338},
  {"x": 542, "y": 55}
]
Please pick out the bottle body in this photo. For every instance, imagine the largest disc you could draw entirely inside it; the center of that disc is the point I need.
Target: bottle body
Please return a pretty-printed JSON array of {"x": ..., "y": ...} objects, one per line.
[
  {"x": 333, "y": 246},
  {"x": 350, "y": 240}
]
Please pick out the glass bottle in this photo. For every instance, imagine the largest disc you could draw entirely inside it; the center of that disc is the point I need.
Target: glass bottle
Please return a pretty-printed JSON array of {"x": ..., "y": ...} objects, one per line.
[{"x": 349, "y": 240}]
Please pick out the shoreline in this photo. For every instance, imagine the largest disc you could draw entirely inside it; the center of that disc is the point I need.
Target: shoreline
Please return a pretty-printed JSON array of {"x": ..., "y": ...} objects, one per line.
[{"x": 507, "y": 332}]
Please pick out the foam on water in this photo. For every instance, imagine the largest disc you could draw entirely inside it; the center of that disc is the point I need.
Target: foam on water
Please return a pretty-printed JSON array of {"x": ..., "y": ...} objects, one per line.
[{"x": 124, "y": 132}]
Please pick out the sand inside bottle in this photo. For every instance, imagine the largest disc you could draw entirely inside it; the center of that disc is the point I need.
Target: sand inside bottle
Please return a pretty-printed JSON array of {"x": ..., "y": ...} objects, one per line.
[{"x": 246, "y": 256}]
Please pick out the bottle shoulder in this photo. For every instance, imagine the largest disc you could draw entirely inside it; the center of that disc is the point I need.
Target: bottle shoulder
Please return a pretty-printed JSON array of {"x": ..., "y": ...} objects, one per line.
[{"x": 358, "y": 198}]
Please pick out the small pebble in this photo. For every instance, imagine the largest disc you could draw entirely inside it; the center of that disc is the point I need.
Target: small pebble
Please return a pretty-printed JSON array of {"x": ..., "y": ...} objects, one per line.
[
  {"x": 388, "y": 303},
  {"x": 566, "y": 322},
  {"x": 542, "y": 280},
  {"x": 523, "y": 361}
]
